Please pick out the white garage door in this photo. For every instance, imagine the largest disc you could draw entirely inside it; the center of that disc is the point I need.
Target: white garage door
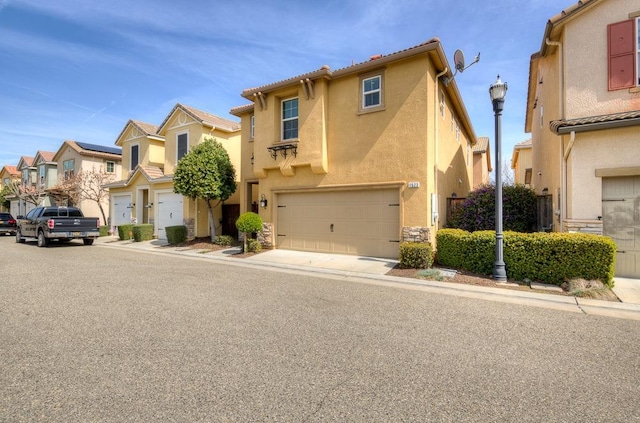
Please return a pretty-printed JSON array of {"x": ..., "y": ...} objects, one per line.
[
  {"x": 365, "y": 223},
  {"x": 621, "y": 221},
  {"x": 169, "y": 212},
  {"x": 121, "y": 210}
]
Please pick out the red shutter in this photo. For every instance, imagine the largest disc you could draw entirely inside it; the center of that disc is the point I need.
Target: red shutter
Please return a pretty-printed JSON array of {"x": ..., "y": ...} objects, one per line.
[{"x": 622, "y": 58}]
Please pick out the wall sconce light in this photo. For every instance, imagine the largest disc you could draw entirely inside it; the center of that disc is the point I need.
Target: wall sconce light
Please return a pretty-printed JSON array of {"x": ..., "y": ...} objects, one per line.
[
  {"x": 263, "y": 201},
  {"x": 148, "y": 205},
  {"x": 545, "y": 191},
  {"x": 454, "y": 195},
  {"x": 252, "y": 159},
  {"x": 131, "y": 205}
]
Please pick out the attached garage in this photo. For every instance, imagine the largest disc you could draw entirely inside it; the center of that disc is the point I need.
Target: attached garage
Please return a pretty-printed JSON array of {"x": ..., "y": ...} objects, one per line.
[
  {"x": 121, "y": 209},
  {"x": 621, "y": 221},
  {"x": 363, "y": 222},
  {"x": 169, "y": 212}
]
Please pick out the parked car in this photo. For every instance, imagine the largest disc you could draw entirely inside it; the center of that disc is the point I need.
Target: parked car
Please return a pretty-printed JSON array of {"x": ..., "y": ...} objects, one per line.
[
  {"x": 7, "y": 224},
  {"x": 61, "y": 223}
]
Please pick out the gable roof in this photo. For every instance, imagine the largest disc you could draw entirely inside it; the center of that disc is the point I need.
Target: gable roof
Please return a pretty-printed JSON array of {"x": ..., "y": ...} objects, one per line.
[
  {"x": 522, "y": 145},
  {"x": 11, "y": 170},
  {"x": 433, "y": 47},
  {"x": 152, "y": 174},
  {"x": 43, "y": 156},
  {"x": 147, "y": 129},
  {"x": 483, "y": 147},
  {"x": 90, "y": 150},
  {"x": 204, "y": 118},
  {"x": 25, "y": 161}
]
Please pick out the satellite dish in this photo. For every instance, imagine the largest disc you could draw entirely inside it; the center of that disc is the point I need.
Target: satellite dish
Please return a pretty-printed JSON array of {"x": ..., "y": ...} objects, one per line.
[{"x": 458, "y": 59}]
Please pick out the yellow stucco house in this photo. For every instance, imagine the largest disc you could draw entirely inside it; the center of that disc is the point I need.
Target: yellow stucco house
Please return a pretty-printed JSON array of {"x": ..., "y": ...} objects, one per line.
[
  {"x": 583, "y": 113},
  {"x": 9, "y": 174},
  {"x": 100, "y": 164},
  {"x": 356, "y": 160},
  {"x": 481, "y": 162},
  {"x": 521, "y": 163},
  {"x": 149, "y": 157}
]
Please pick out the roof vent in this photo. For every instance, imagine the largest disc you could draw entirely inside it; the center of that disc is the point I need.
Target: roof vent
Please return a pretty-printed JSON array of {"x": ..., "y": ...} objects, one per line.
[{"x": 376, "y": 57}]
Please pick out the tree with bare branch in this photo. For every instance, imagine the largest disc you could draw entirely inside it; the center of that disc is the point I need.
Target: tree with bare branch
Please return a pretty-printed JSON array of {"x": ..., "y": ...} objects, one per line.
[{"x": 26, "y": 193}]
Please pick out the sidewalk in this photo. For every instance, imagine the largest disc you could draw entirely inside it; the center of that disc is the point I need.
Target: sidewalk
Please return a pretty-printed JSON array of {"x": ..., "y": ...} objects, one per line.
[{"x": 373, "y": 270}]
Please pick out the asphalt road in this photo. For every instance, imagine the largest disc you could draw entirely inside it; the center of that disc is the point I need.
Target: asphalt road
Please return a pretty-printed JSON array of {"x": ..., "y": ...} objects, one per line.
[{"x": 100, "y": 334}]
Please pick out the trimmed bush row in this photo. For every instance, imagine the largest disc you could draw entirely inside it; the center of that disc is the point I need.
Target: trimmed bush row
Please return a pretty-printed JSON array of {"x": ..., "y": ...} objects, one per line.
[
  {"x": 545, "y": 257},
  {"x": 125, "y": 231},
  {"x": 104, "y": 230},
  {"x": 142, "y": 232},
  {"x": 416, "y": 255},
  {"x": 176, "y": 234}
]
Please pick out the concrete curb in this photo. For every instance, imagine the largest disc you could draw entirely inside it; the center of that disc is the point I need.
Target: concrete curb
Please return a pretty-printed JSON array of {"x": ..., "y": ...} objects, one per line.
[{"x": 534, "y": 299}]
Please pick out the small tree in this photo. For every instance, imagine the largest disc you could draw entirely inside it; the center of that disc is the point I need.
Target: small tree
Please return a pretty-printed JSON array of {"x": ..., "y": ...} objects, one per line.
[
  {"x": 4, "y": 202},
  {"x": 206, "y": 172},
  {"x": 27, "y": 193},
  {"x": 248, "y": 223}
]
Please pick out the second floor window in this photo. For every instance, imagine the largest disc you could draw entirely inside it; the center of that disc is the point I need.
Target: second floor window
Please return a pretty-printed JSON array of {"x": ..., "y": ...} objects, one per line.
[
  {"x": 111, "y": 167},
  {"x": 253, "y": 126},
  {"x": 41, "y": 174},
  {"x": 371, "y": 90},
  {"x": 623, "y": 54},
  {"x": 25, "y": 176},
  {"x": 183, "y": 146},
  {"x": 68, "y": 167},
  {"x": 135, "y": 152},
  {"x": 290, "y": 119}
]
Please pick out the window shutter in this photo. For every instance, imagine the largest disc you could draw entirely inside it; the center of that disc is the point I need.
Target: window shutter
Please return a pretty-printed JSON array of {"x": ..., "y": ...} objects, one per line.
[{"x": 621, "y": 54}]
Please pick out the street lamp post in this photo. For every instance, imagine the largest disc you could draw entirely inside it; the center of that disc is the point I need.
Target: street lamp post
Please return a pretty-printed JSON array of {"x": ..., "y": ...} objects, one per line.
[{"x": 498, "y": 91}]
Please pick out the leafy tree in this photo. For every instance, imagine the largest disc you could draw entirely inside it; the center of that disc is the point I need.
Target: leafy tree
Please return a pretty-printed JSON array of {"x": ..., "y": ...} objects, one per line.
[
  {"x": 6, "y": 191},
  {"x": 85, "y": 185},
  {"x": 206, "y": 173},
  {"x": 248, "y": 223},
  {"x": 478, "y": 211}
]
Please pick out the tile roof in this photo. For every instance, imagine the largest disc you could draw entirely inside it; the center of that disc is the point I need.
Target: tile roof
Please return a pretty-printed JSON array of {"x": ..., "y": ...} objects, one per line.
[
  {"x": 12, "y": 170},
  {"x": 523, "y": 144},
  {"x": 482, "y": 143},
  {"x": 28, "y": 160},
  {"x": 238, "y": 110},
  {"x": 146, "y": 128},
  {"x": 46, "y": 155},
  {"x": 204, "y": 118},
  {"x": 593, "y": 123}
]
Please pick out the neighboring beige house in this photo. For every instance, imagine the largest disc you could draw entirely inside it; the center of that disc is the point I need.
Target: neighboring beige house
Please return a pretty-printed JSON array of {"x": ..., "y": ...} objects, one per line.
[
  {"x": 28, "y": 179},
  {"x": 583, "y": 113},
  {"x": 8, "y": 174},
  {"x": 358, "y": 159},
  {"x": 46, "y": 175},
  {"x": 97, "y": 162},
  {"x": 521, "y": 163},
  {"x": 481, "y": 162},
  {"x": 150, "y": 155}
]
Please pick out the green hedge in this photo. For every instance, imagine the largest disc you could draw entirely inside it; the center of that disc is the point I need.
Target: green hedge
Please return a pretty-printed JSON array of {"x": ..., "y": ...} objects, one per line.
[
  {"x": 176, "y": 234},
  {"x": 546, "y": 257},
  {"x": 104, "y": 230},
  {"x": 416, "y": 255},
  {"x": 125, "y": 231},
  {"x": 142, "y": 232}
]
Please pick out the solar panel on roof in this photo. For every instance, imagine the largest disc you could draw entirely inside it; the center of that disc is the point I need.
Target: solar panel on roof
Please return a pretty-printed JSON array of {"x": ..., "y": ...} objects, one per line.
[{"x": 99, "y": 148}]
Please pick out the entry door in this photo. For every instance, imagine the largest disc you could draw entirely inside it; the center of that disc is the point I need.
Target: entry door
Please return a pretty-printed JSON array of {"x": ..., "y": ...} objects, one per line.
[
  {"x": 169, "y": 212},
  {"x": 621, "y": 221}
]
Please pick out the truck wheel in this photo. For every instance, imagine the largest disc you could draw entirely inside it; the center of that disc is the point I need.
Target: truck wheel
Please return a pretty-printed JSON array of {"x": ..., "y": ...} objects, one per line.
[
  {"x": 87, "y": 241},
  {"x": 19, "y": 237},
  {"x": 42, "y": 241}
]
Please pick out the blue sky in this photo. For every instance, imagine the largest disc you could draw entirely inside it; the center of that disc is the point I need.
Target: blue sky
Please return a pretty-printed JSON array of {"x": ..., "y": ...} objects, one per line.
[{"x": 80, "y": 69}]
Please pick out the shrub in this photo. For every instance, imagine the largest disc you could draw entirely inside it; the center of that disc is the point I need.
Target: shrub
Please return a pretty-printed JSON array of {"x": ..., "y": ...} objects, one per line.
[
  {"x": 478, "y": 211},
  {"x": 104, "y": 230},
  {"x": 248, "y": 223},
  {"x": 546, "y": 257},
  {"x": 416, "y": 255},
  {"x": 125, "y": 231},
  {"x": 223, "y": 240},
  {"x": 142, "y": 232},
  {"x": 176, "y": 234},
  {"x": 254, "y": 246}
]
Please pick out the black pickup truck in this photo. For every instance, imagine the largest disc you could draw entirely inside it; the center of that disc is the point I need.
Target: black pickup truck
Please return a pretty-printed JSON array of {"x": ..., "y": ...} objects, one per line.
[{"x": 61, "y": 223}]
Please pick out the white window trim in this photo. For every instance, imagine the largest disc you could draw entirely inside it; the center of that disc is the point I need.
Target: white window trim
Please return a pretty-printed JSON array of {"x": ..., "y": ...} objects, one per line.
[
  {"x": 106, "y": 166},
  {"x": 365, "y": 93},
  {"x": 442, "y": 104},
  {"x": 177, "y": 144},
  {"x": 64, "y": 169},
  {"x": 252, "y": 126},
  {"x": 283, "y": 119}
]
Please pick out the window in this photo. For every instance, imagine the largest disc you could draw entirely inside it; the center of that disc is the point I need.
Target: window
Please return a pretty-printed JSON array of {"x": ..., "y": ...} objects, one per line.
[
  {"x": 623, "y": 51},
  {"x": 68, "y": 167},
  {"x": 6, "y": 182},
  {"x": 453, "y": 123},
  {"x": 135, "y": 149},
  {"x": 252, "y": 127},
  {"x": 527, "y": 176},
  {"x": 183, "y": 146},
  {"x": 41, "y": 174},
  {"x": 371, "y": 92},
  {"x": 111, "y": 167},
  {"x": 457, "y": 132},
  {"x": 468, "y": 154},
  {"x": 25, "y": 176},
  {"x": 290, "y": 119},
  {"x": 442, "y": 104}
]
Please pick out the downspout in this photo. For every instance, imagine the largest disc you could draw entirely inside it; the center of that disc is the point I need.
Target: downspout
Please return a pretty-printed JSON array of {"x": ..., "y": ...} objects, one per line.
[
  {"x": 563, "y": 158},
  {"x": 434, "y": 196}
]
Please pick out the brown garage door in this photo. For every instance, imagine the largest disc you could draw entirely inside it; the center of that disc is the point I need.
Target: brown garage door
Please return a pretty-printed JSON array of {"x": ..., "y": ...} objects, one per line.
[{"x": 364, "y": 222}]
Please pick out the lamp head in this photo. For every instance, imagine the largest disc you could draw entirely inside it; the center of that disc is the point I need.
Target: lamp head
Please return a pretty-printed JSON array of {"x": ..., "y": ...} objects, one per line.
[{"x": 498, "y": 90}]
